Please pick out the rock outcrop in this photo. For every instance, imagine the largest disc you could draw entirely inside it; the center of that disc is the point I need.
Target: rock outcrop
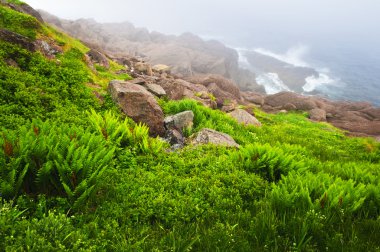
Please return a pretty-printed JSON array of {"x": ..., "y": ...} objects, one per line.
[
  {"x": 359, "y": 118},
  {"x": 140, "y": 105},
  {"x": 17, "y": 39},
  {"x": 209, "y": 136}
]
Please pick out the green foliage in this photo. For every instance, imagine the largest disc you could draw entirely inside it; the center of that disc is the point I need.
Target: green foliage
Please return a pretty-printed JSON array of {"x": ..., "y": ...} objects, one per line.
[
  {"x": 52, "y": 159},
  {"x": 76, "y": 175},
  {"x": 125, "y": 134},
  {"x": 39, "y": 88},
  {"x": 18, "y": 22}
]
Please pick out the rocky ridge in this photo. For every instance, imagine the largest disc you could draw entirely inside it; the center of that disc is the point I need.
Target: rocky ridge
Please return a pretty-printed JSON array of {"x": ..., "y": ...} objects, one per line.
[{"x": 187, "y": 55}]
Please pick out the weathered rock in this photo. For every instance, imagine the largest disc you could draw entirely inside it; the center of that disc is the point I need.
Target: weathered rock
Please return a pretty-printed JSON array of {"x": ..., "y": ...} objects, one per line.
[
  {"x": 140, "y": 105},
  {"x": 143, "y": 68},
  {"x": 222, "y": 86},
  {"x": 15, "y": 38},
  {"x": 254, "y": 97},
  {"x": 203, "y": 95},
  {"x": 228, "y": 107},
  {"x": 372, "y": 112},
  {"x": 174, "y": 138},
  {"x": 289, "y": 107},
  {"x": 161, "y": 68},
  {"x": 99, "y": 58},
  {"x": 174, "y": 89},
  {"x": 317, "y": 115},
  {"x": 49, "y": 50},
  {"x": 138, "y": 81},
  {"x": 156, "y": 90},
  {"x": 209, "y": 136},
  {"x": 281, "y": 99},
  {"x": 245, "y": 118},
  {"x": 180, "y": 121},
  {"x": 371, "y": 128}
]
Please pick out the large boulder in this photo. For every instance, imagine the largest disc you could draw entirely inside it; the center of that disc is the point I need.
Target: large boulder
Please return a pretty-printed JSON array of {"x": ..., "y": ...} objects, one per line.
[
  {"x": 175, "y": 89},
  {"x": 253, "y": 97},
  {"x": 318, "y": 115},
  {"x": 209, "y": 136},
  {"x": 229, "y": 88},
  {"x": 244, "y": 117},
  {"x": 140, "y": 105},
  {"x": 281, "y": 99},
  {"x": 180, "y": 121}
]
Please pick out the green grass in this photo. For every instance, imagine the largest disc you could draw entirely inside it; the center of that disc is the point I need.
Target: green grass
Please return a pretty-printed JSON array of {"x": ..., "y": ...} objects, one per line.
[
  {"x": 18, "y": 22},
  {"x": 76, "y": 175}
]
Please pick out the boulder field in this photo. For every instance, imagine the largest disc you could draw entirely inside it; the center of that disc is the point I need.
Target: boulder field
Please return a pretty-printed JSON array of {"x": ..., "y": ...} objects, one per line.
[{"x": 218, "y": 92}]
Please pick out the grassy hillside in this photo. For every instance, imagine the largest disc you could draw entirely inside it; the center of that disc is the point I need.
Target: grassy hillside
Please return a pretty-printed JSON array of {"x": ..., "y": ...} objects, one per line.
[{"x": 75, "y": 175}]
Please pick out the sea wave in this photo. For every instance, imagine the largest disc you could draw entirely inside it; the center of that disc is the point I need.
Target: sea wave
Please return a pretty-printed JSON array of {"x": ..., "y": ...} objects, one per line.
[
  {"x": 243, "y": 60},
  {"x": 272, "y": 83},
  {"x": 313, "y": 82},
  {"x": 293, "y": 56}
]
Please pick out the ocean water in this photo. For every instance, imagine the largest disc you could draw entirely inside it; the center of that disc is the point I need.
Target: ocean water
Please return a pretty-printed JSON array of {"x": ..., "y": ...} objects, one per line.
[{"x": 344, "y": 73}]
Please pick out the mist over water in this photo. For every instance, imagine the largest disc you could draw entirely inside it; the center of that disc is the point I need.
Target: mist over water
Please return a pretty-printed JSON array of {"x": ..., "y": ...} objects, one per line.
[{"x": 344, "y": 73}]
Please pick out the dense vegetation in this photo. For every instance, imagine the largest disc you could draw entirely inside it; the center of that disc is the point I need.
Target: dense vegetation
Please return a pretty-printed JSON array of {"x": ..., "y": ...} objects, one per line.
[{"x": 76, "y": 175}]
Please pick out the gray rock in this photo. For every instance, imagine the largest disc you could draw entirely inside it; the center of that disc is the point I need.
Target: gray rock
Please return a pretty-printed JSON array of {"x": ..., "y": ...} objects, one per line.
[
  {"x": 245, "y": 118},
  {"x": 140, "y": 105},
  {"x": 209, "y": 136},
  {"x": 180, "y": 121},
  {"x": 156, "y": 90},
  {"x": 174, "y": 137}
]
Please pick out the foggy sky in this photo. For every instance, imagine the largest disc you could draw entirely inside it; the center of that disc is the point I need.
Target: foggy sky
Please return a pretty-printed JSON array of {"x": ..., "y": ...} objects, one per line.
[{"x": 268, "y": 21}]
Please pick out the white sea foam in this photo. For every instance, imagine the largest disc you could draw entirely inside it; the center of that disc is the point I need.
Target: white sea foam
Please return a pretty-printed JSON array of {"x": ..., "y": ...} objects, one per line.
[
  {"x": 243, "y": 60},
  {"x": 313, "y": 82},
  {"x": 272, "y": 83},
  {"x": 292, "y": 56}
]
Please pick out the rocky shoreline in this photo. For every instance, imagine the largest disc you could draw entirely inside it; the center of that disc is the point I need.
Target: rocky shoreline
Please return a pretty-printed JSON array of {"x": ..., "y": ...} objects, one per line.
[{"x": 357, "y": 118}]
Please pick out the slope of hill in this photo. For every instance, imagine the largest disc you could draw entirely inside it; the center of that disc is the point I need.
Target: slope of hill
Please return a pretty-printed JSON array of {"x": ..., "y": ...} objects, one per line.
[{"x": 76, "y": 174}]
